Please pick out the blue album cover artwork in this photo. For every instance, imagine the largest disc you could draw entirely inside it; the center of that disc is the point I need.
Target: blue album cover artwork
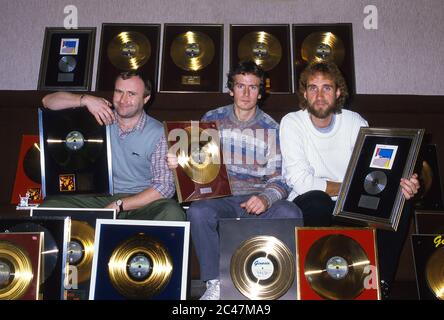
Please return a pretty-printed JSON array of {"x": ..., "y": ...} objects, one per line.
[{"x": 172, "y": 238}]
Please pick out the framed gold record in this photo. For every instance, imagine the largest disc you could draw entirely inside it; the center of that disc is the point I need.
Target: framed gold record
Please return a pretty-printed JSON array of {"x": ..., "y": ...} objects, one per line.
[
  {"x": 127, "y": 47},
  {"x": 428, "y": 255},
  {"x": 337, "y": 264},
  {"x": 269, "y": 47},
  {"x": 20, "y": 265},
  {"x": 201, "y": 173},
  {"x": 67, "y": 59},
  {"x": 140, "y": 260},
  {"x": 324, "y": 42},
  {"x": 192, "y": 58}
]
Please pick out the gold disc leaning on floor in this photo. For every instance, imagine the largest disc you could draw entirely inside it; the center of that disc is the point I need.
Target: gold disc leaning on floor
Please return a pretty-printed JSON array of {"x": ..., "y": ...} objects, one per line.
[
  {"x": 140, "y": 267},
  {"x": 15, "y": 271},
  {"x": 334, "y": 267},
  {"x": 81, "y": 248},
  {"x": 262, "y": 267}
]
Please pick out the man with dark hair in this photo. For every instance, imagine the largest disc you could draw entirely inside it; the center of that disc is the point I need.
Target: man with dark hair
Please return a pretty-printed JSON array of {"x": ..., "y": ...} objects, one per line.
[
  {"x": 257, "y": 185},
  {"x": 142, "y": 181},
  {"x": 317, "y": 143}
]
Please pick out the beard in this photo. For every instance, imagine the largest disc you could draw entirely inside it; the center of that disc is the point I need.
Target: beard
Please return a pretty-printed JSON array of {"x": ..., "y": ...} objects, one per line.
[{"x": 322, "y": 113}]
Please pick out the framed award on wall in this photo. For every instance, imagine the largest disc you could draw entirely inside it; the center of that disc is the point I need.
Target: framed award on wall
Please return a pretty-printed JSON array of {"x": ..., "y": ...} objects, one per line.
[
  {"x": 192, "y": 58},
  {"x": 371, "y": 194},
  {"x": 127, "y": 47},
  {"x": 269, "y": 47},
  {"x": 67, "y": 59},
  {"x": 324, "y": 42}
]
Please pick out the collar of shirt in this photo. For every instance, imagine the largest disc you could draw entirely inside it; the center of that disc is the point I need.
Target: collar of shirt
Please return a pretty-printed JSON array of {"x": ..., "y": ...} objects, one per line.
[{"x": 139, "y": 126}]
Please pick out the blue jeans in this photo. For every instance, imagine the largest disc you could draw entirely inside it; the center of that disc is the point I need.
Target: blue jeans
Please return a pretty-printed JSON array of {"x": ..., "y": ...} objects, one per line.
[{"x": 204, "y": 216}]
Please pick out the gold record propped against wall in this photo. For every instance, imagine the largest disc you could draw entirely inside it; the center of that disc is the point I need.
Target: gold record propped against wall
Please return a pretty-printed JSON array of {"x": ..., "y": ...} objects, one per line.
[
  {"x": 16, "y": 271},
  {"x": 323, "y": 46},
  {"x": 140, "y": 267},
  {"x": 261, "y": 47},
  {"x": 192, "y": 50},
  {"x": 435, "y": 273},
  {"x": 262, "y": 267},
  {"x": 81, "y": 248},
  {"x": 334, "y": 267},
  {"x": 129, "y": 50}
]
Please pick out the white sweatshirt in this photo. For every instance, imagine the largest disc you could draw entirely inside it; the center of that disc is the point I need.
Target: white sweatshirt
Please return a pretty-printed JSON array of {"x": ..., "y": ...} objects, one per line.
[{"x": 309, "y": 157}]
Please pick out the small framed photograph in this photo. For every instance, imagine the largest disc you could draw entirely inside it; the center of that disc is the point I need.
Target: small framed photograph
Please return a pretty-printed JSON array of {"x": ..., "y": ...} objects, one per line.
[
  {"x": 370, "y": 193},
  {"x": 67, "y": 59}
]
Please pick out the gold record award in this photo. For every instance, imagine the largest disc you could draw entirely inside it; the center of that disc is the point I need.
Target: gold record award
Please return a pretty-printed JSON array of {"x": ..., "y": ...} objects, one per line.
[
  {"x": 323, "y": 46},
  {"x": 435, "y": 273},
  {"x": 140, "y": 267},
  {"x": 16, "y": 272},
  {"x": 261, "y": 47},
  {"x": 81, "y": 248},
  {"x": 192, "y": 50},
  {"x": 262, "y": 267},
  {"x": 129, "y": 50},
  {"x": 334, "y": 267}
]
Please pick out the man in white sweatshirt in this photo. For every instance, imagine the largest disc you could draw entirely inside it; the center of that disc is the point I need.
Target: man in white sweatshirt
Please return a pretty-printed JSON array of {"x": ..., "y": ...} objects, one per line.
[{"x": 317, "y": 143}]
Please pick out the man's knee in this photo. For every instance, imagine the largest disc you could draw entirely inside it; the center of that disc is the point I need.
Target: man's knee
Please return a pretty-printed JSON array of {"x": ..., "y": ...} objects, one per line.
[
  {"x": 286, "y": 209},
  {"x": 170, "y": 210},
  {"x": 199, "y": 210}
]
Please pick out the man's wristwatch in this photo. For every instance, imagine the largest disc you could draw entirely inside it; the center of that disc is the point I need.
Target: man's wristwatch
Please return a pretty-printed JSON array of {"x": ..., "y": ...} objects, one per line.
[{"x": 119, "y": 203}]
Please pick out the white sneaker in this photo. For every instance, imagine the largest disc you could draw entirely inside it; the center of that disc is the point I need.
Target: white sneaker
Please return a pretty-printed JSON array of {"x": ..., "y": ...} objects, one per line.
[{"x": 213, "y": 290}]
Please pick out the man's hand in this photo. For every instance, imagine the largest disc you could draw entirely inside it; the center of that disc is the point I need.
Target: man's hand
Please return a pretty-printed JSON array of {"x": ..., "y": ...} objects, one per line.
[
  {"x": 255, "y": 205},
  {"x": 113, "y": 205},
  {"x": 172, "y": 161},
  {"x": 100, "y": 108},
  {"x": 409, "y": 187}
]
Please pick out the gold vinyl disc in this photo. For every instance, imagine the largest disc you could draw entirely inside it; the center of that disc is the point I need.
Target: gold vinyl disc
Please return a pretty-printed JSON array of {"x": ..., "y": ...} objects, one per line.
[
  {"x": 334, "y": 267},
  {"x": 262, "y": 268},
  {"x": 81, "y": 249},
  {"x": 202, "y": 161},
  {"x": 140, "y": 267},
  {"x": 435, "y": 273},
  {"x": 323, "y": 46},
  {"x": 261, "y": 47},
  {"x": 192, "y": 50},
  {"x": 129, "y": 50},
  {"x": 15, "y": 271}
]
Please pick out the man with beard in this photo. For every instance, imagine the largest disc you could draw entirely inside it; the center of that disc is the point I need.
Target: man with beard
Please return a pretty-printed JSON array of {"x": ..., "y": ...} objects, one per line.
[{"x": 317, "y": 143}]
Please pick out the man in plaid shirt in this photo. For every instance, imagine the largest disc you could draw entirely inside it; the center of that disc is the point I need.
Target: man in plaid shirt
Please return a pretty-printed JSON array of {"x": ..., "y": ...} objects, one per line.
[{"x": 143, "y": 184}]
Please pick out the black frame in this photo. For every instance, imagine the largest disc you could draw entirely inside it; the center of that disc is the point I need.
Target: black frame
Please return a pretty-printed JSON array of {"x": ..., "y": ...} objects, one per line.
[
  {"x": 107, "y": 72},
  {"x": 50, "y": 78},
  {"x": 210, "y": 77}
]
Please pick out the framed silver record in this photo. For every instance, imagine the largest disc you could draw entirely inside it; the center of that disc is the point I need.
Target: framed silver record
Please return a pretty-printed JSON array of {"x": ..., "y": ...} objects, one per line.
[
  {"x": 67, "y": 59},
  {"x": 370, "y": 193},
  {"x": 75, "y": 153}
]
